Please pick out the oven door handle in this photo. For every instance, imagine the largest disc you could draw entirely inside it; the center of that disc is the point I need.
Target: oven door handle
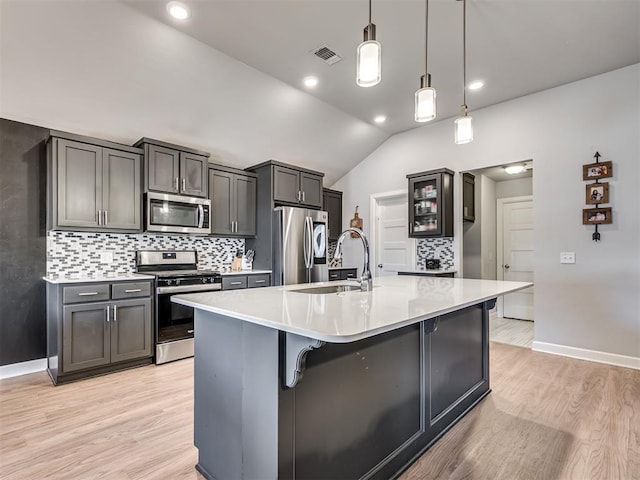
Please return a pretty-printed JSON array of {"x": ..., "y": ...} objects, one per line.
[
  {"x": 200, "y": 215},
  {"x": 189, "y": 288}
]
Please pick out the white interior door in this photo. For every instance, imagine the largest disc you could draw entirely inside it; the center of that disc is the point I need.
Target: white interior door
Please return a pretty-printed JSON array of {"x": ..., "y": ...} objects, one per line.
[
  {"x": 394, "y": 250},
  {"x": 517, "y": 257}
]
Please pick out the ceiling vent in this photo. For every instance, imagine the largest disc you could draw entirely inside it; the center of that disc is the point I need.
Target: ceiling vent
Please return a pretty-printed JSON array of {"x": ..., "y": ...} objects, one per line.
[{"x": 327, "y": 55}]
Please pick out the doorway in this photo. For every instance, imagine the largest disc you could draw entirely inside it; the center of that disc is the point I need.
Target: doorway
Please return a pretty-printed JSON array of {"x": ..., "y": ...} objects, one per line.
[
  {"x": 391, "y": 248},
  {"x": 498, "y": 244}
]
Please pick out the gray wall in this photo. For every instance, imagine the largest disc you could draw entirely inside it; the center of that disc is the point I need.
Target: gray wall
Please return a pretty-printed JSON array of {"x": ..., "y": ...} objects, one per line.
[
  {"x": 594, "y": 303},
  {"x": 518, "y": 187},
  {"x": 22, "y": 241}
]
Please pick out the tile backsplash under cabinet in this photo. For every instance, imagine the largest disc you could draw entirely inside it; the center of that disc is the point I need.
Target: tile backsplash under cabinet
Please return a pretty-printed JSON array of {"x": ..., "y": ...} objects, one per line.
[
  {"x": 440, "y": 248},
  {"x": 79, "y": 254}
]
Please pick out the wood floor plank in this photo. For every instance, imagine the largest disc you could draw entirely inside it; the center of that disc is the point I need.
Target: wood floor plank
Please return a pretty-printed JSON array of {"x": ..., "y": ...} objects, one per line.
[{"x": 547, "y": 418}]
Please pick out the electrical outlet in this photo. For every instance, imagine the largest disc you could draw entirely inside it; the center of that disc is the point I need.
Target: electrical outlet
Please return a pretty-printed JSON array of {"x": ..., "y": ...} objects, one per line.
[
  {"x": 106, "y": 257},
  {"x": 567, "y": 257}
]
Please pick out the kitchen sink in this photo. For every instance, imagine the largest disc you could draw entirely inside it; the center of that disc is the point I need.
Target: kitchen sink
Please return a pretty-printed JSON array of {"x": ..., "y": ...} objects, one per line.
[{"x": 328, "y": 289}]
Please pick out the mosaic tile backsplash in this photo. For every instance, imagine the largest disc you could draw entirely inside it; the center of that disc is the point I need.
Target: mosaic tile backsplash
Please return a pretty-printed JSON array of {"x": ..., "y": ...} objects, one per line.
[
  {"x": 79, "y": 254},
  {"x": 331, "y": 250},
  {"x": 439, "y": 248}
]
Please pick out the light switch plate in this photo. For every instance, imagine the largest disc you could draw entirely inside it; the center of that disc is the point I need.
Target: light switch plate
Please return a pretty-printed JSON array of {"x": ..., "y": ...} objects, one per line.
[
  {"x": 567, "y": 257},
  {"x": 106, "y": 257}
]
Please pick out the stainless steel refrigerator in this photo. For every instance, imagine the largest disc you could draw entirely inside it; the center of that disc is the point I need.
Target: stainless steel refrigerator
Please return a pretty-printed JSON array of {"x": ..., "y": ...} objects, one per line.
[{"x": 300, "y": 246}]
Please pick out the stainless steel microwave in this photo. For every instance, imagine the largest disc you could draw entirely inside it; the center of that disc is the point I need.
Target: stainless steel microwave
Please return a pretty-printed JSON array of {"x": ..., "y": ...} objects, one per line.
[{"x": 167, "y": 213}]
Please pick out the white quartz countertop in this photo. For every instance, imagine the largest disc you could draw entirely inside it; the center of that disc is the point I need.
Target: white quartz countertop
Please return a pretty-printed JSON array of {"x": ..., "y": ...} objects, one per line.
[
  {"x": 394, "y": 302},
  {"x": 343, "y": 268},
  {"x": 225, "y": 272},
  {"x": 99, "y": 278}
]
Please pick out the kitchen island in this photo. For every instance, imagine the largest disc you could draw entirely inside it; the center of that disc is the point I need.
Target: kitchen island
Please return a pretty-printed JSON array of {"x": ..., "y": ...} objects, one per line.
[{"x": 306, "y": 382}]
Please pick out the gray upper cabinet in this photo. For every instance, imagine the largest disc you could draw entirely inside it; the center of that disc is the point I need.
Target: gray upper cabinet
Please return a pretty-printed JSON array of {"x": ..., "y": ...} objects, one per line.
[
  {"x": 332, "y": 204},
  {"x": 174, "y": 169},
  {"x": 93, "y": 185},
  {"x": 163, "y": 169},
  {"x": 233, "y": 202},
  {"x": 297, "y": 187}
]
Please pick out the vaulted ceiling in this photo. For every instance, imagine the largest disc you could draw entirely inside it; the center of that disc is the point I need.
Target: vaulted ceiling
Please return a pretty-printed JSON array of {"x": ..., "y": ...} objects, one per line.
[{"x": 516, "y": 47}]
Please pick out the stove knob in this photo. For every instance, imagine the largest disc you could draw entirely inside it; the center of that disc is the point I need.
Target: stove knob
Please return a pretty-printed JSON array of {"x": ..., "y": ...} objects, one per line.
[
  {"x": 211, "y": 280},
  {"x": 204, "y": 279}
]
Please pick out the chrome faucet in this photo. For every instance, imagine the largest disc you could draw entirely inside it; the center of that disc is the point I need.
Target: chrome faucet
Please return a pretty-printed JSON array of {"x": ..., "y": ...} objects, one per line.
[{"x": 365, "y": 279}]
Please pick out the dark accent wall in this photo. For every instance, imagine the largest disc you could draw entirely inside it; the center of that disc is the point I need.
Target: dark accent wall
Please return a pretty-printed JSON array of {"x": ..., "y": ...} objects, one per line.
[{"x": 23, "y": 242}]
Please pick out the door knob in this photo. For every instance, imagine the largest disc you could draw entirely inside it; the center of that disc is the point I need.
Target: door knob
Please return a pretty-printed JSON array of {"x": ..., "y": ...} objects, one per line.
[
  {"x": 507, "y": 267},
  {"x": 379, "y": 265}
]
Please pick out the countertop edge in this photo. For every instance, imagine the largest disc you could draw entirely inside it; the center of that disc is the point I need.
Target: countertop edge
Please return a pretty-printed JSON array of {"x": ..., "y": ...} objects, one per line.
[{"x": 116, "y": 278}]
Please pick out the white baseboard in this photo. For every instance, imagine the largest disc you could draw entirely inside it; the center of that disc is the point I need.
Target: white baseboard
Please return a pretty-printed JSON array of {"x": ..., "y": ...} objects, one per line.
[
  {"x": 591, "y": 355},
  {"x": 23, "y": 368}
]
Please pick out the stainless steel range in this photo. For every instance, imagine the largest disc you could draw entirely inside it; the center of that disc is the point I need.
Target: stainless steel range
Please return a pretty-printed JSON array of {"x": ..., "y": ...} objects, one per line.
[{"x": 175, "y": 272}]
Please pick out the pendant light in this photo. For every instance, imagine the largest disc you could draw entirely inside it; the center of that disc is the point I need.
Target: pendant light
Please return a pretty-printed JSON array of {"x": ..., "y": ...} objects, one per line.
[
  {"x": 463, "y": 126},
  {"x": 425, "y": 109},
  {"x": 369, "y": 57}
]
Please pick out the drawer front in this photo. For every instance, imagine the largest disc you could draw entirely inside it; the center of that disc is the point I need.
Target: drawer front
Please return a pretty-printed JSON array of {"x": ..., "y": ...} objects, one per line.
[
  {"x": 96, "y": 292},
  {"x": 233, "y": 282},
  {"x": 130, "y": 290},
  {"x": 334, "y": 275},
  {"x": 349, "y": 274},
  {"x": 254, "y": 281}
]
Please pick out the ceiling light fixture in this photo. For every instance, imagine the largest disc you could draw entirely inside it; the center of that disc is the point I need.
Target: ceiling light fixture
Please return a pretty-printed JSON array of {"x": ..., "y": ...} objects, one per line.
[
  {"x": 513, "y": 169},
  {"x": 310, "y": 82},
  {"x": 463, "y": 125},
  {"x": 425, "y": 104},
  {"x": 380, "y": 119},
  {"x": 368, "y": 69},
  {"x": 178, "y": 10},
  {"x": 477, "y": 85}
]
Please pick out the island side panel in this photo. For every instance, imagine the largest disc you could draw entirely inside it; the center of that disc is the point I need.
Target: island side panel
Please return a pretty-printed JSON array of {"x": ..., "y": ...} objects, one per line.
[{"x": 235, "y": 398}]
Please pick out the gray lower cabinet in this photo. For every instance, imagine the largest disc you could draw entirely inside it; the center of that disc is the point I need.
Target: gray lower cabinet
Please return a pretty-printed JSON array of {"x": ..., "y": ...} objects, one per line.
[
  {"x": 174, "y": 169},
  {"x": 238, "y": 281},
  {"x": 233, "y": 202},
  {"x": 86, "y": 336},
  {"x": 93, "y": 186}
]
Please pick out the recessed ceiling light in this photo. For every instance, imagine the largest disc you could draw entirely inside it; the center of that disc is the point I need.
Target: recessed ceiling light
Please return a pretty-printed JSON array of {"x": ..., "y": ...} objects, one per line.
[
  {"x": 380, "y": 118},
  {"x": 477, "y": 85},
  {"x": 310, "y": 82},
  {"x": 513, "y": 169},
  {"x": 178, "y": 10}
]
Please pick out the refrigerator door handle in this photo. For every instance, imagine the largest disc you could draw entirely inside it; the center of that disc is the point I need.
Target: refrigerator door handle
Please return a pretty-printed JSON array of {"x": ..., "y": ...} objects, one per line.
[{"x": 308, "y": 242}]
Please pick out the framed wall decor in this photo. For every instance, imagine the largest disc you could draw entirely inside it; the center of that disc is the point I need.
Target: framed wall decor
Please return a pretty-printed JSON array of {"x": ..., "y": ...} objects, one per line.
[
  {"x": 596, "y": 216},
  {"x": 593, "y": 171},
  {"x": 597, "y": 193}
]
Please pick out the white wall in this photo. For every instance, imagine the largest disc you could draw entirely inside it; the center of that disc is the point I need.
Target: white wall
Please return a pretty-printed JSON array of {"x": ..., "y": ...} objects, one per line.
[
  {"x": 593, "y": 304},
  {"x": 518, "y": 187},
  {"x": 103, "y": 69}
]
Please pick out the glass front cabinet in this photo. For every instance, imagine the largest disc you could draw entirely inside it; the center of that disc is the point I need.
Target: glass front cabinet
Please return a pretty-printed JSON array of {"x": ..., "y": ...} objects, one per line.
[{"x": 431, "y": 204}]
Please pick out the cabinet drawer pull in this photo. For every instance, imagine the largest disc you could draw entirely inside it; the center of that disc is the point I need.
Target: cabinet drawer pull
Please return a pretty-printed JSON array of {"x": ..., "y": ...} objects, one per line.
[
  {"x": 236, "y": 283},
  {"x": 190, "y": 331},
  {"x": 133, "y": 290},
  {"x": 260, "y": 281},
  {"x": 86, "y": 294}
]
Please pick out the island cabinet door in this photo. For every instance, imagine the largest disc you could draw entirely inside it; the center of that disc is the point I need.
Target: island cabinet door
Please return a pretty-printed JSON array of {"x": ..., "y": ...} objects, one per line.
[
  {"x": 457, "y": 365},
  {"x": 356, "y": 409}
]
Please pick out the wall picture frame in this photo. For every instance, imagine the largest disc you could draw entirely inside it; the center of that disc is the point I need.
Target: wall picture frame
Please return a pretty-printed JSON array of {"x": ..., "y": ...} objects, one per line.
[
  {"x": 597, "y": 193},
  {"x": 593, "y": 171},
  {"x": 596, "y": 216}
]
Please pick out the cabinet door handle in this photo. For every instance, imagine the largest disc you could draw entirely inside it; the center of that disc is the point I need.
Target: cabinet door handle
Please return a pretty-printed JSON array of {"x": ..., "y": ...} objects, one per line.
[
  {"x": 303, "y": 196},
  {"x": 299, "y": 195},
  {"x": 87, "y": 294},
  {"x": 106, "y": 217},
  {"x": 133, "y": 290},
  {"x": 184, "y": 184},
  {"x": 108, "y": 314},
  {"x": 190, "y": 331},
  {"x": 115, "y": 313},
  {"x": 99, "y": 217},
  {"x": 175, "y": 181},
  {"x": 236, "y": 222}
]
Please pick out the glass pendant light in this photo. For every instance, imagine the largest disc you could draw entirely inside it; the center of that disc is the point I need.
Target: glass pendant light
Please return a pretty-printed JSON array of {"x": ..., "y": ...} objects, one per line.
[
  {"x": 463, "y": 124},
  {"x": 369, "y": 66},
  {"x": 425, "y": 105}
]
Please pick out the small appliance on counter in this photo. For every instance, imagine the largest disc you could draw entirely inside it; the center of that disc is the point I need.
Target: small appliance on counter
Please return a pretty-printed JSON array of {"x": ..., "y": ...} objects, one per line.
[{"x": 432, "y": 264}]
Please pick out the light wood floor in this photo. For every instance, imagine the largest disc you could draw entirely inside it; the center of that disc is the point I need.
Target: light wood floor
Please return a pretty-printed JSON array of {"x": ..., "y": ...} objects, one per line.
[
  {"x": 548, "y": 418},
  {"x": 511, "y": 331}
]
